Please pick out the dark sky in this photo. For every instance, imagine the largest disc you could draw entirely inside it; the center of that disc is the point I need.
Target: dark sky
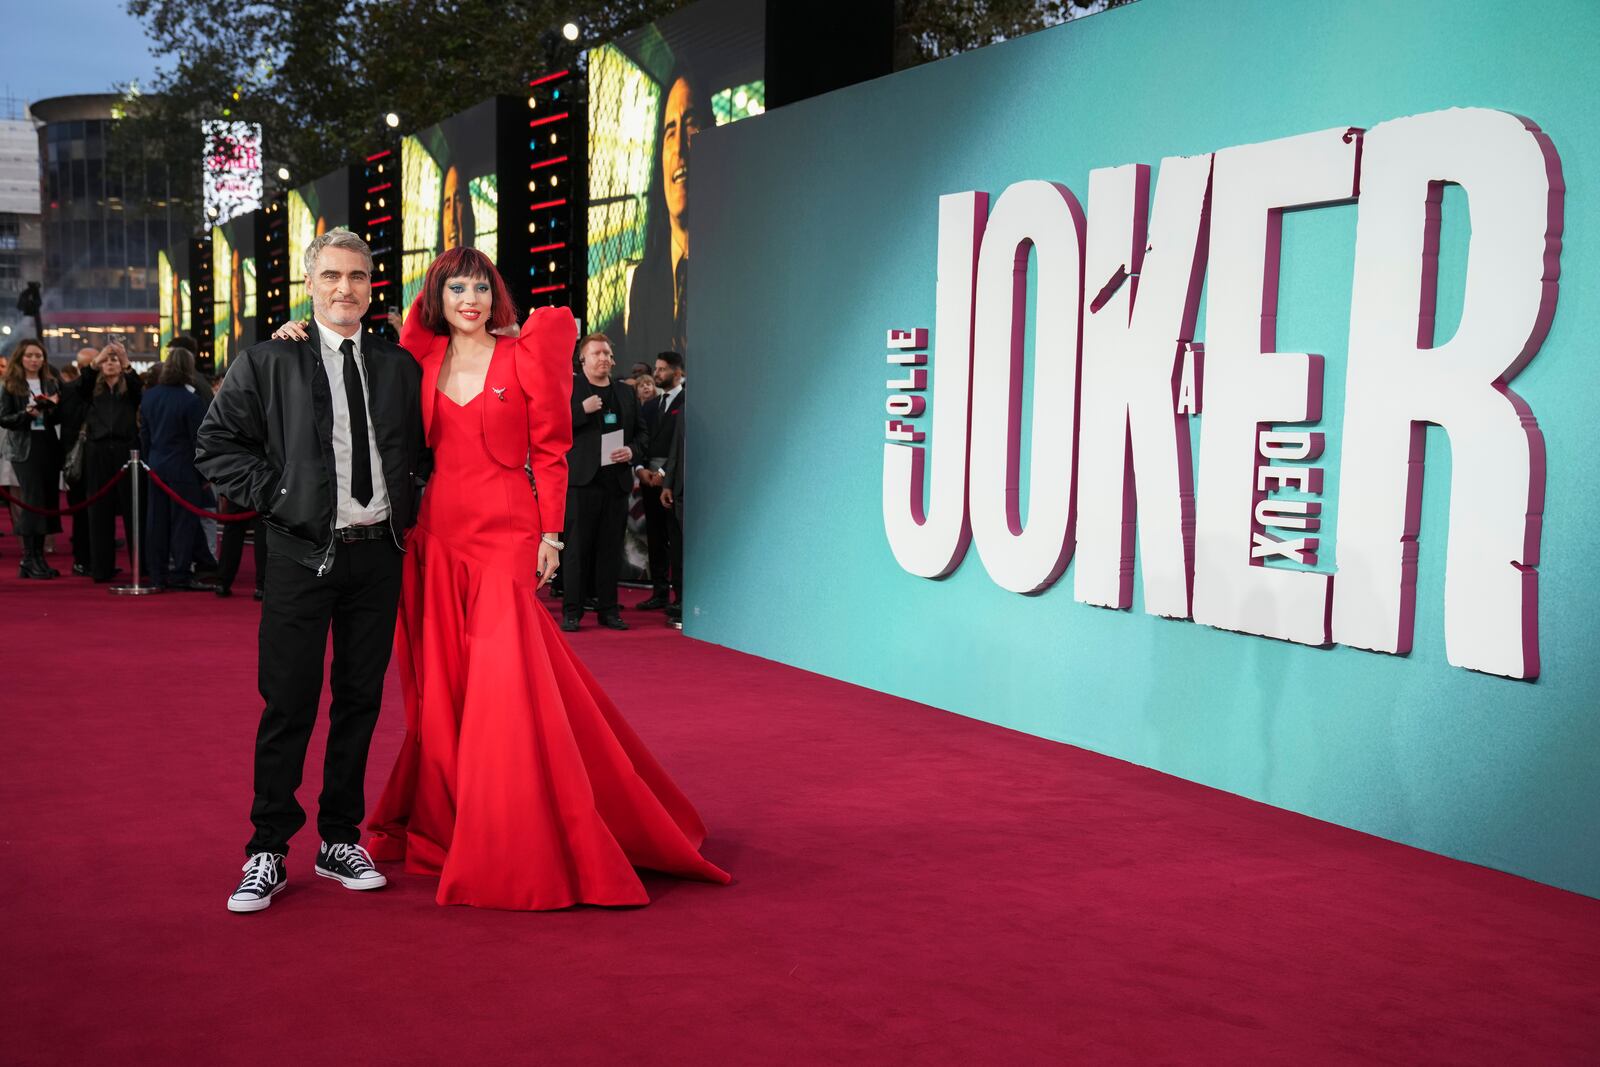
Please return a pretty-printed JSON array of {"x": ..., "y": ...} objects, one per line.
[{"x": 69, "y": 46}]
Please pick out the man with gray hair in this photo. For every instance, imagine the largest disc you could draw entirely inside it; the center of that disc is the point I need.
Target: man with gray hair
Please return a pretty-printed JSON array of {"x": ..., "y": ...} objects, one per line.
[{"x": 324, "y": 438}]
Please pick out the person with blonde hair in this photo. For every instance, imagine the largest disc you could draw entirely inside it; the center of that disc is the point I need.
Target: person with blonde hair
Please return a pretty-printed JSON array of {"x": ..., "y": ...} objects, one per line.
[{"x": 109, "y": 392}]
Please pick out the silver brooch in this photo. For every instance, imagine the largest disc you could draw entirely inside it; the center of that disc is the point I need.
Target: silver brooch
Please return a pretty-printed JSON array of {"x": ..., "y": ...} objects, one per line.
[{"x": 500, "y": 392}]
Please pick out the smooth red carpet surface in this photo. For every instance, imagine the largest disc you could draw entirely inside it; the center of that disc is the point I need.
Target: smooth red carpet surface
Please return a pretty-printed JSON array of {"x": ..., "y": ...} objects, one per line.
[{"x": 910, "y": 887}]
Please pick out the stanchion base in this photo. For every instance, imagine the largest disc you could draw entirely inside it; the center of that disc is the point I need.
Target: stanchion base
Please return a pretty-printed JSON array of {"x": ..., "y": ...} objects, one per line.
[{"x": 134, "y": 590}]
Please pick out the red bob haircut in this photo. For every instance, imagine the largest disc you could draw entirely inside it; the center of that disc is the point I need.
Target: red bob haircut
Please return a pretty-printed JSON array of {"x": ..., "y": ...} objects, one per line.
[{"x": 464, "y": 263}]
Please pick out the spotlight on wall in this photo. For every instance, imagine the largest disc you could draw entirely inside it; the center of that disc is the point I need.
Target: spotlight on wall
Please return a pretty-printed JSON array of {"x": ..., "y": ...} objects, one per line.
[
  {"x": 570, "y": 31},
  {"x": 391, "y": 120}
]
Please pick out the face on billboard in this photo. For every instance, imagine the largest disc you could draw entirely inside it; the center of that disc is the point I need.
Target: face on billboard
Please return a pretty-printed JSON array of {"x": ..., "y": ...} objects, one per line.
[
  {"x": 452, "y": 210},
  {"x": 650, "y": 95},
  {"x": 236, "y": 298},
  {"x": 450, "y": 193},
  {"x": 680, "y": 122}
]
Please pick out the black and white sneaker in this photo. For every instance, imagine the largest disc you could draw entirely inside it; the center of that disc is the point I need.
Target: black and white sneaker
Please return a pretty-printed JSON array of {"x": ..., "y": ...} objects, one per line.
[
  {"x": 350, "y": 866},
  {"x": 264, "y": 876}
]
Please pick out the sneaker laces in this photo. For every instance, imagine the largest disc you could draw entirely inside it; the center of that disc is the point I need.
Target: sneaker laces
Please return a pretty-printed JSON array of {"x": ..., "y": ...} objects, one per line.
[
  {"x": 353, "y": 856},
  {"x": 258, "y": 870}
]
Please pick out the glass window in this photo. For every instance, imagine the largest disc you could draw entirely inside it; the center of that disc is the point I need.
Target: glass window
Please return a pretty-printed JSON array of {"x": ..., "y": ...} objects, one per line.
[{"x": 117, "y": 245}]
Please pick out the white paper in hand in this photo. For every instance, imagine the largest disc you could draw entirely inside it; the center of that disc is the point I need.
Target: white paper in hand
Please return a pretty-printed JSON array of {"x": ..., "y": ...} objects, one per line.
[{"x": 610, "y": 441}]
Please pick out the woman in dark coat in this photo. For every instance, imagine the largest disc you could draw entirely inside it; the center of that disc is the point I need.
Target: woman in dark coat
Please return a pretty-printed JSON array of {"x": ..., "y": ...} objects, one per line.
[
  {"x": 171, "y": 412},
  {"x": 71, "y": 423},
  {"x": 110, "y": 392},
  {"x": 29, "y": 412}
]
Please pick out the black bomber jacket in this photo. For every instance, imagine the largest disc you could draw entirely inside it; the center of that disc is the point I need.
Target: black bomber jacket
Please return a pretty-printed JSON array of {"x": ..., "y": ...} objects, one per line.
[{"x": 267, "y": 441}]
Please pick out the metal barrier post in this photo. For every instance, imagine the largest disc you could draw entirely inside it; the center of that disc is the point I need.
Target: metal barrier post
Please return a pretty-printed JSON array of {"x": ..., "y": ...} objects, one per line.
[{"x": 135, "y": 536}]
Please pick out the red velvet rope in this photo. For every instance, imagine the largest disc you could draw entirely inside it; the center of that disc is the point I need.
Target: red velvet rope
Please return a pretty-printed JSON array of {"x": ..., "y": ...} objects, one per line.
[
  {"x": 69, "y": 509},
  {"x": 237, "y": 516}
]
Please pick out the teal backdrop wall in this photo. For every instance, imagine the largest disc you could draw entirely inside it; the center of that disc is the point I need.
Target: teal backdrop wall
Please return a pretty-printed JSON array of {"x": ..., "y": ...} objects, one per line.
[{"x": 823, "y": 235}]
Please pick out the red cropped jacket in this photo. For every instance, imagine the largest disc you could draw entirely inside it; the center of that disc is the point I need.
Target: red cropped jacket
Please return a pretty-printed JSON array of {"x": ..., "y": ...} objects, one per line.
[{"x": 527, "y": 395}]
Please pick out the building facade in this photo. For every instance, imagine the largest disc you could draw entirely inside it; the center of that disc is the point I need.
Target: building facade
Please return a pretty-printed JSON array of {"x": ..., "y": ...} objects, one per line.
[
  {"x": 21, "y": 236},
  {"x": 104, "y": 221}
]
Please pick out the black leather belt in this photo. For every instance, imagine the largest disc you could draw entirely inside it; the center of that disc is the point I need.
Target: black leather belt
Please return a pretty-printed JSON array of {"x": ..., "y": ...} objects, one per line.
[{"x": 378, "y": 531}]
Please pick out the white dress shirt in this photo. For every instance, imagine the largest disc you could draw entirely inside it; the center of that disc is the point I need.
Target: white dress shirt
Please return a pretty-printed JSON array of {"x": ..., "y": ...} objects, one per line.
[{"x": 351, "y": 513}]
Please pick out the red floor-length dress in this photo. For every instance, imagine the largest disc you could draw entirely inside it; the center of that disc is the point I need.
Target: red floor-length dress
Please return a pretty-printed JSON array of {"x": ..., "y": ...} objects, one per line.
[{"x": 518, "y": 782}]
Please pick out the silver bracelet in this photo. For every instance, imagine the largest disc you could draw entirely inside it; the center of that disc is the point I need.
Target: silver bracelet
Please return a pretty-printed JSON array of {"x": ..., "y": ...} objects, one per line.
[{"x": 552, "y": 542}]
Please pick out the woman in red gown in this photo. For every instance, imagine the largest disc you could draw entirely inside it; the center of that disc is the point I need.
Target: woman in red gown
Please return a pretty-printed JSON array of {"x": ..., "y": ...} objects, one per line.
[{"x": 518, "y": 782}]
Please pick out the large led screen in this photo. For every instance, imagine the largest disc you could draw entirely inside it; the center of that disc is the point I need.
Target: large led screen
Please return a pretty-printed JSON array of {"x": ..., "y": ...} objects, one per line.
[
  {"x": 221, "y": 287},
  {"x": 314, "y": 209},
  {"x": 450, "y": 193},
  {"x": 173, "y": 269},
  {"x": 170, "y": 303},
  {"x": 649, "y": 93},
  {"x": 233, "y": 288}
]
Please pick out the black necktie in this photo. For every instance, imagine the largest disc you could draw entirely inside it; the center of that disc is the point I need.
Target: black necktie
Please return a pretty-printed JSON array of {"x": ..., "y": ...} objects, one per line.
[
  {"x": 360, "y": 454},
  {"x": 680, "y": 300}
]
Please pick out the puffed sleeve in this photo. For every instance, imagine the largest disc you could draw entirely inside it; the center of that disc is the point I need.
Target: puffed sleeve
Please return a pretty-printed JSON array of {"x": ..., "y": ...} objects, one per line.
[
  {"x": 544, "y": 370},
  {"x": 417, "y": 339}
]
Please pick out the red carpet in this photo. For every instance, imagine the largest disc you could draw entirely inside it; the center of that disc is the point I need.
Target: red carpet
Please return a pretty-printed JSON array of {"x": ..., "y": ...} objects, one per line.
[{"x": 911, "y": 887}]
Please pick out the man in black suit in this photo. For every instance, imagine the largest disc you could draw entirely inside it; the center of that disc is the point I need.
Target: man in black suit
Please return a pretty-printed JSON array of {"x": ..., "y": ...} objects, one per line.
[
  {"x": 672, "y": 499},
  {"x": 665, "y": 532},
  {"x": 322, "y": 437},
  {"x": 598, "y": 485}
]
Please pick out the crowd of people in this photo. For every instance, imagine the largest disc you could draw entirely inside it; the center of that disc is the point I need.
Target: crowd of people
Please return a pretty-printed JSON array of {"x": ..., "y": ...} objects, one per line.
[
  {"x": 626, "y": 443},
  {"x": 76, "y": 427}
]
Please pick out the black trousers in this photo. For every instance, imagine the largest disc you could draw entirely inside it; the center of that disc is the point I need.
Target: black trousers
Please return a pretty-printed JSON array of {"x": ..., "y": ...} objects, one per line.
[
  {"x": 171, "y": 533},
  {"x": 39, "y": 484},
  {"x": 597, "y": 517},
  {"x": 100, "y": 462},
  {"x": 665, "y": 533},
  {"x": 357, "y": 600},
  {"x": 76, "y": 491},
  {"x": 233, "y": 547}
]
